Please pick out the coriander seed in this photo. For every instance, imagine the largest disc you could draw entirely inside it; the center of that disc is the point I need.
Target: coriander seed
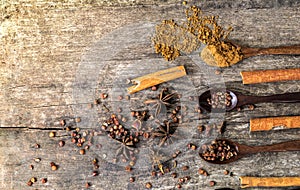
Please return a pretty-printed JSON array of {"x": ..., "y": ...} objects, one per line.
[
  {"x": 212, "y": 183},
  {"x": 61, "y": 143},
  {"x": 52, "y": 134},
  {"x": 82, "y": 151},
  {"x": 131, "y": 179},
  {"x": 148, "y": 185},
  {"x": 33, "y": 179},
  {"x": 44, "y": 180}
]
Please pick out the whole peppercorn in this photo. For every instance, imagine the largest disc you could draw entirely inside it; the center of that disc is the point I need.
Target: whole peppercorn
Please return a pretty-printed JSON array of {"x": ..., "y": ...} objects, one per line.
[
  {"x": 61, "y": 143},
  {"x": 87, "y": 185},
  {"x": 128, "y": 168},
  {"x": 77, "y": 119},
  {"x": 62, "y": 122},
  {"x": 154, "y": 88},
  {"x": 201, "y": 128},
  {"x": 131, "y": 179},
  {"x": 226, "y": 172},
  {"x": 95, "y": 173},
  {"x": 29, "y": 183},
  {"x": 179, "y": 186},
  {"x": 153, "y": 173},
  {"x": 52, "y": 134},
  {"x": 174, "y": 175},
  {"x": 148, "y": 185},
  {"x": 44, "y": 180},
  {"x": 184, "y": 168},
  {"x": 82, "y": 151},
  {"x": 212, "y": 183},
  {"x": 37, "y": 146},
  {"x": 31, "y": 167}
]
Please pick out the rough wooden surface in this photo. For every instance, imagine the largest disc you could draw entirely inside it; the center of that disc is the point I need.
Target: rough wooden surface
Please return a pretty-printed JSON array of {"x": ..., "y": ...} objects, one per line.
[{"x": 49, "y": 51}]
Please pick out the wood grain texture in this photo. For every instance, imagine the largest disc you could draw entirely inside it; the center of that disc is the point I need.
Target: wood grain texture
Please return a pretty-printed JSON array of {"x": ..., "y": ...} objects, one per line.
[{"x": 44, "y": 45}]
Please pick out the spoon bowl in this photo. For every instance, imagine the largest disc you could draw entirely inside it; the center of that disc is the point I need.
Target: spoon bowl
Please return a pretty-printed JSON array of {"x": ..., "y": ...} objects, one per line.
[
  {"x": 214, "y": 154},
  {"x": 239, "y": 99}
]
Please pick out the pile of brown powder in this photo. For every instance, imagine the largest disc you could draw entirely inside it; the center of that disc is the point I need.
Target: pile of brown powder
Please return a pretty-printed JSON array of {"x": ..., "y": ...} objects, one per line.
[{"x": 172, "y": 38}]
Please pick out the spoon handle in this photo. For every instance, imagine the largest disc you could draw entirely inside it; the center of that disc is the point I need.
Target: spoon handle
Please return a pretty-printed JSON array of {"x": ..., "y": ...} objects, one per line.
[
  {"x": 281, "y": 50},
  {"x": 277, "y": 98},
  {"x": 280, "y": 147}
]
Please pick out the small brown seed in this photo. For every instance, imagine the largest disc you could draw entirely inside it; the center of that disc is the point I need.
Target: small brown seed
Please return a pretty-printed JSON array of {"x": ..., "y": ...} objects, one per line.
[
  {"x": 251, "y": 107},
  {"x": 128, "y": 168},
  {"x": 212, "y": 183},
  {"x": 120, "y": 97},
  {"x": 31, "y": 167},
  {"x": 201, "y": 128},
  {"x": 179, "y": 186},
  {"x": 154, "y": 88},
  {"x": 29, "y": 183},
  {"x": 127, "y": 97},
  {"x": 131, "y": 179},
  {"x": 37, "y": 160},
  {"x": 82, "y": 151},
  {"x": 77, "y": 119},
  {"x": 103, "y": 95},
  {"x": 87, "y": 185},
  {"x": 54, "y": 167},
  {"x": 184, "y": 168},
  {"x": 153, "y": 173},
  {"x": 44, "y": 180},
  {"x": 62, "y": 122},
  {"x": 37, "y": 146},
  {"x": 226, "y": 172},
  {"x": 61, "y": 143},
  {"x": 148, "y": 185},
  {"x": 95, "y": 173},
  {"x": 174, "y": 175},
  {"x": 181, "y": 180},
  {"x": 193, "y": 147},
  {"x": 52, "y": 134}
]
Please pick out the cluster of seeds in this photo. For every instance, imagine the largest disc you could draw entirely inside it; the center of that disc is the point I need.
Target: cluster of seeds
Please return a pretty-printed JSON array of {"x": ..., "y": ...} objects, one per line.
[
  {"x": 218, "y": 150},
  {"x": 220, "y": 100}
]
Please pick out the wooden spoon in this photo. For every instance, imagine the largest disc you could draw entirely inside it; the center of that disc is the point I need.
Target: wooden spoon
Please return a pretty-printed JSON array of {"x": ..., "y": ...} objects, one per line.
[
  {"x": 239, "y": 99},
  {"x": 243, "y": 150},
  {"x": 238, "y": 53}
]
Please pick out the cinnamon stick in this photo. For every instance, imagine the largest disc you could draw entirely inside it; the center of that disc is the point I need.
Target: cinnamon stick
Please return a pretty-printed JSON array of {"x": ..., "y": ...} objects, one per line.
[
  {"x": 156, "y": 78},
  {"x": 262, "y": 76},
  {"x": 265, "y": 124},
  {"x": 269, "y": 181}
]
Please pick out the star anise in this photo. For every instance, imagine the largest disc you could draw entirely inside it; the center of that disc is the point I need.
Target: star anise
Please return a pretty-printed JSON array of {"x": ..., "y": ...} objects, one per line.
[
  {"x": 165, "y": 99},
  {"x": 126, "y": 147},
  {"x": 165, "y": 132}
]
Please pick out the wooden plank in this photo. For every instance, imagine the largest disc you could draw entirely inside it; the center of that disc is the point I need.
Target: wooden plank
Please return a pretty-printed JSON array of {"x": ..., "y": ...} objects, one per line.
[{"x": 44, "y": 46}]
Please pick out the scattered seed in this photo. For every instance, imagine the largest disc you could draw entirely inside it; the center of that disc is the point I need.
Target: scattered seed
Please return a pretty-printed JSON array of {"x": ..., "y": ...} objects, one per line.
[
  {"x": 153, "y": 173},
  {"x": 184, "y": 168},
  {"x": 95, "y": 173},
  {"x": 52, "y": 134},
  {"x": 217, "y": 72},
  {"x": 226, "y": 172},
  {"x": 31, "y": 167},
  {"x": 184, "y": 2},
  {"x": 97, "y": 101},
  {"x": 201, "y": 128},
  {"x": 179, "y": 186},
  {"x": 212, "y": 183},
  {"x": 33, "y": 179},
  {"x": 128, "y": 168},
  {"x": 29, "y": 183},
  {"x": 62, "y": 122},
  {"x": 77, "y": 119},
  {"x": 44, "y": 180},
  {"x": 154, "y": 88},
  {"x": 82, "y": 151},
  {"x": 87, "y": 185},
  {"x": 37, "y": 146},
  {"x": 131, "y": 179},
  {"x": 251, "y": 107},
  {"x": 61, "y": 143},
  {"x": 54, "y": 167},
  {"x": 174, "y": 175},
  {"x": 103, "y": 95},
  {"x": 148, "y": 185},
  {"x": 127, "y": 97},
  {"x": 181, "y": 180},
  {"x": 37, "y": 160},
  {"x": 120, "y": 97}
]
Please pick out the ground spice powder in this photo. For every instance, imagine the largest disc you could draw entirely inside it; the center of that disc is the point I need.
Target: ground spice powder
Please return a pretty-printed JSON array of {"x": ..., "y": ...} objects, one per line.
[{"x": 172, "y": 38}]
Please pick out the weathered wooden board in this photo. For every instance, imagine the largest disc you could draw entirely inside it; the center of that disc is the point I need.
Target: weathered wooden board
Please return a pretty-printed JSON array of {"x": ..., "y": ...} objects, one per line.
[{"x": 51, "y": 50}]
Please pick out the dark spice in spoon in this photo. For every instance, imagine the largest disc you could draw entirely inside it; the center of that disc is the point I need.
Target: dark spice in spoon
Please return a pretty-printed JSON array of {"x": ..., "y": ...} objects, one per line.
[{"x": 218, "y": 150}]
